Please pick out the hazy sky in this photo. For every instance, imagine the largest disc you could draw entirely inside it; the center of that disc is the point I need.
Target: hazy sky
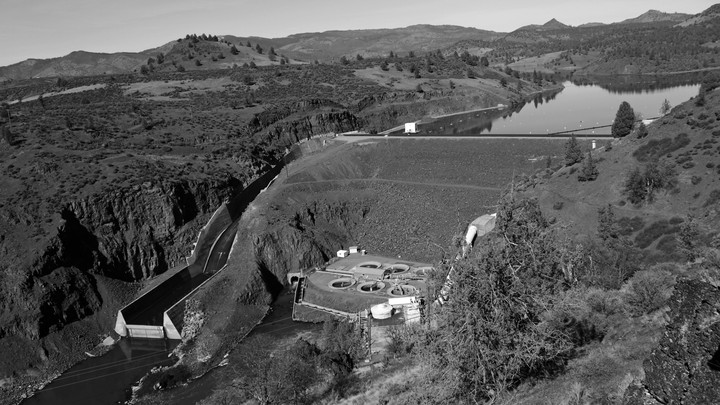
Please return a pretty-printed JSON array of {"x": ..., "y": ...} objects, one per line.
[{"x": 52, "y": 28}]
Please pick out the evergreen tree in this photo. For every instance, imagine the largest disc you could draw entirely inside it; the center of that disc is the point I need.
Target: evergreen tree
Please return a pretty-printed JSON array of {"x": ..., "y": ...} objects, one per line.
[
  {"x": 359, "y": 57},
  {"x": 234, "y": 50},
  {"x": 642, "y": 130},
  {"x": 573, "y": 153},
  {"x": 589, "y": 171},
  {"x": 665, "y": 107},
  {"x": 688, "y": 238},
  {"x": 624, "y": 120},
  {"x": 607, "y": 225},
  {"x": 635, "y": 187},
  {"x": 258, "y": 49},
  {"x": 8, "y": 136}
]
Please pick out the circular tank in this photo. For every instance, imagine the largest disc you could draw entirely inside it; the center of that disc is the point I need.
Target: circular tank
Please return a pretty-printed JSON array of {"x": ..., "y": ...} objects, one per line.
[
  {"x": 342, "y": 283},
  {"x": 371, "y": 286}
]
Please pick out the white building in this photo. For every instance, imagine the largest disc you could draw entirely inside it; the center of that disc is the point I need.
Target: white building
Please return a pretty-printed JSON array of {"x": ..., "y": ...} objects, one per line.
[{"x": 411, "y": 128}]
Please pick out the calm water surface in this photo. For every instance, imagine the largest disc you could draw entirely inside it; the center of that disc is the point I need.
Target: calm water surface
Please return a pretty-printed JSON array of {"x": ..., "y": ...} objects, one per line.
[{"x": 576, "y": 108}]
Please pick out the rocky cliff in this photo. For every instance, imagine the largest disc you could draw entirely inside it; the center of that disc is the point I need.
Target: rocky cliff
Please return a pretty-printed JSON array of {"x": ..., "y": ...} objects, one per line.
[
  {"x": 130, "y": 234},
  {"x": 678, "y": 369},
  {"x": 310, "y": 237}
]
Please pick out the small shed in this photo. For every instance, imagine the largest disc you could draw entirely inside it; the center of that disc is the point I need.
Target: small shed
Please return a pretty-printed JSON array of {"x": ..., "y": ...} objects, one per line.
[
  {"x": 353, "y": 249},
  {"x": 411, "y": 128},
  {"x": 342, "y": 253}
]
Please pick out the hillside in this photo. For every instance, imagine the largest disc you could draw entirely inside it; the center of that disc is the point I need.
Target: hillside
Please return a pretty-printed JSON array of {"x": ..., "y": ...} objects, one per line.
[
  {"x": 652, "y": 16},
  {"x": 78, "y": 63},
  {"x": 212, "y": 52},
  {"x": 685, "y": 140},
  {"x": 649, "y": 44},
  {"x": 331, "y": 45}
]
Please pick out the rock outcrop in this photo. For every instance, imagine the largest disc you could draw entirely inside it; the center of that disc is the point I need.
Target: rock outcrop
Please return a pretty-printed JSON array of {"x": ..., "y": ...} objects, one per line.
[
  {"x": 678, "y": 370},
  {"x": 130, "y": 235},
  {"x": 313, "y": 235}
]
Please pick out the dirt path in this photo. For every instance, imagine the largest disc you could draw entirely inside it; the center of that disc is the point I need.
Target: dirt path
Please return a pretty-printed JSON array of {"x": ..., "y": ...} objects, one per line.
[{"x": 414, "y": 183}]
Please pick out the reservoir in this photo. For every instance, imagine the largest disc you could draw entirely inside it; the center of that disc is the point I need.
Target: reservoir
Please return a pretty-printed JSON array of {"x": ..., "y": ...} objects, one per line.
[{"x": 576, "y": 108}]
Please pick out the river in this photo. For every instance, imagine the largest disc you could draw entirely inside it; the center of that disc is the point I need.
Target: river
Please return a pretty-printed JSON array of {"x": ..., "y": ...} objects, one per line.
[{"x": 107, "y": 379}]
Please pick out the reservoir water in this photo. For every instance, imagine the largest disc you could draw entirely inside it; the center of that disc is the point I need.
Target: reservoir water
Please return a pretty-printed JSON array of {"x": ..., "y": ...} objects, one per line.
[
  {"x": 575, "y": 108},
  {"x": 107, "y": 379}
]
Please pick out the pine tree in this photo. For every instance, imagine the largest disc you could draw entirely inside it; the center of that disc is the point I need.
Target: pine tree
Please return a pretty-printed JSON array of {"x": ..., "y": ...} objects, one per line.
[
  {"x": 607, "y": 226},
  {"x": 234, "y": 50},
  {"x": 665, "y": 107},
  {"x": 688, "y": 238},
  {"x": 624, "y": 120},
  {"x": 642, "y": 131},
  {"x": 635, "y": 187},
  {"x": 573, "y": 153},
  {"x": 589, "y": 171}
]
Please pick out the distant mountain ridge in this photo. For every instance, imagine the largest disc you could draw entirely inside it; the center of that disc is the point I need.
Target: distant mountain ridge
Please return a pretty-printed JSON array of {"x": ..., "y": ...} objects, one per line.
[
  {"x": 331, "y": 45},
  {"x": 321, "y": 46},
  {"x": 553, "y": 24},
  {"x": 656, "y": 16}
]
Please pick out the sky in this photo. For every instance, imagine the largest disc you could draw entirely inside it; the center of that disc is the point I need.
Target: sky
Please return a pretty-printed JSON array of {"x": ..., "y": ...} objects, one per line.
[{"x": 52, "y": 28}]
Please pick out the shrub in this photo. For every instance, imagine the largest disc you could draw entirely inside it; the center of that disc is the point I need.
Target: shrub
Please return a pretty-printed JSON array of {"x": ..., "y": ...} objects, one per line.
[
  {"x": 649, "y": 290},
  {"x": 627, "y": 226},
  {"x": 654, "y": 231},
  {"x": 712, "y": 199},
  {"x": 656, "y": 148}
]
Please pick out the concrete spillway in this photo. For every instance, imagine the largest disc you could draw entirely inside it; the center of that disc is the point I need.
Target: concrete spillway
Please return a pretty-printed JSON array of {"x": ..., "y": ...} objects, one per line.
[{"x": 159, "y": 312}]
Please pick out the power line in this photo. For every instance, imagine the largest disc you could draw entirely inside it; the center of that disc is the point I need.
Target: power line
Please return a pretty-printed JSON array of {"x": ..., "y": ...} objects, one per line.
[{"x": 93, "y": 369}]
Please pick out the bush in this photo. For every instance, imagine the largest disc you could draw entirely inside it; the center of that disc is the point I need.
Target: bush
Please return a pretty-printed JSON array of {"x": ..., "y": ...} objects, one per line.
[
  {"x": 627, "y": 226},
  {"x": 654, "y": 231},
  {"x": 656, "y": 148},
  {"x": 649, "y": 290},
  {"x": 712, "y": 199}
]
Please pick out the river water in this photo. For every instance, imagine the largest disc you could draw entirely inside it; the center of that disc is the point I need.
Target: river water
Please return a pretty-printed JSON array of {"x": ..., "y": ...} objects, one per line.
[{"x": 107, "y": 379}]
